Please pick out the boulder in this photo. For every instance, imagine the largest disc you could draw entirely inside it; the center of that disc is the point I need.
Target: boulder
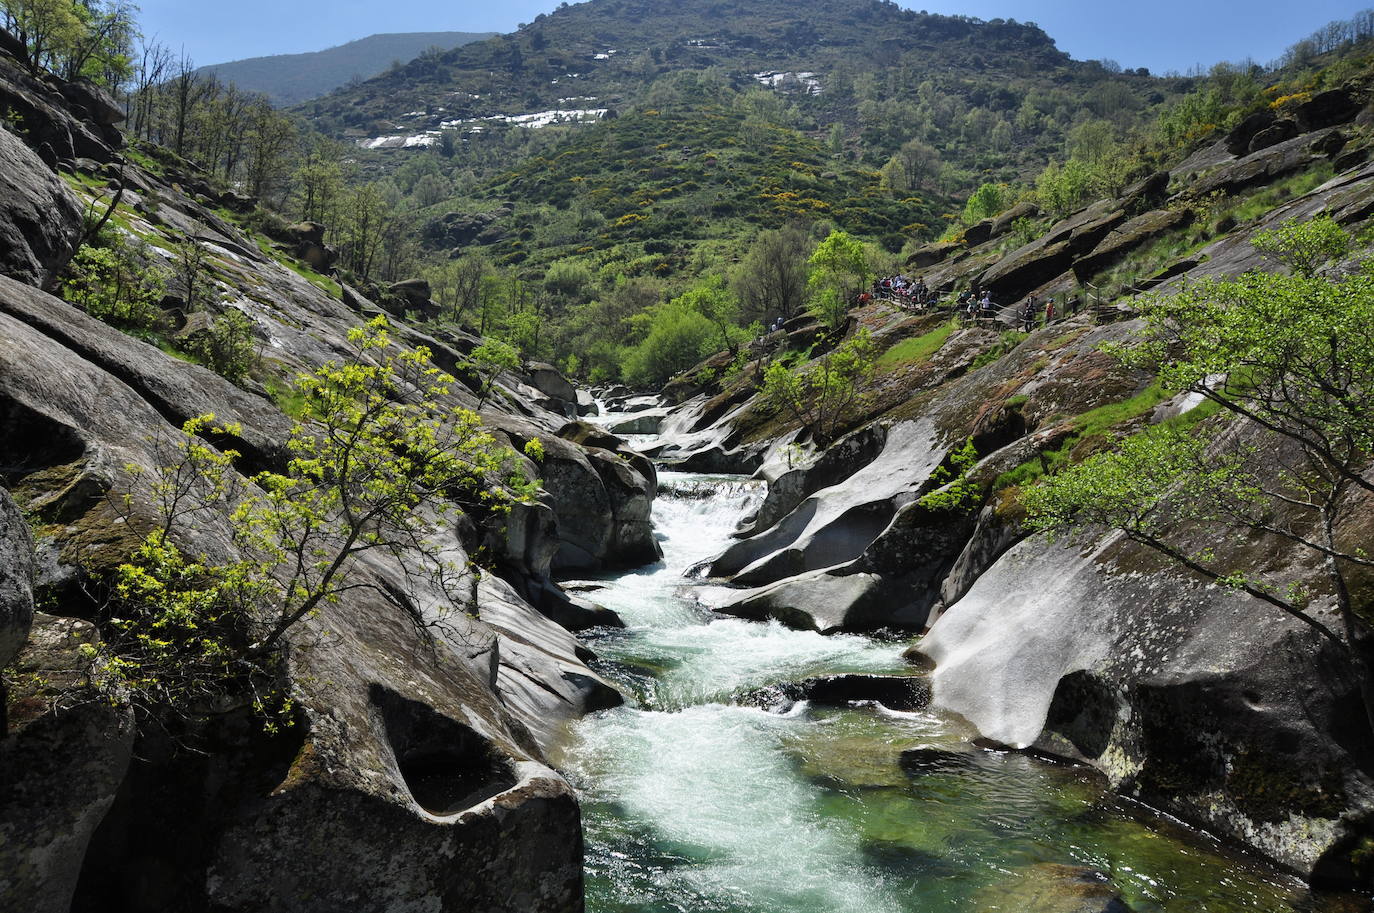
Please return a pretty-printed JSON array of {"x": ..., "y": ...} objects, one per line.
[
  {"x": 1275, "y": 133},
  {"x": 1327, "y": 109},
  {"x": 1028, "y": 268},
  {"x": 1007, "y": 220},
  {"x": 540, "y": 669},
  {"x": 933, "y": 253},
  {"x": 1149, "y": 194},
  {"x": 1352, "y": 158},
  {"x": 631, "y": 495},
  {"x": 307, "y": 243},
  {"x": 992, "y": 536},
  {"x": 415, "y": 292},
  {"x": 40, "y": 219},
  {"x": 1239, "y": 139},
  {"x": 177, "y": 390},
  {"x": 98, "y": 105},
  {"x": 819, "y": 601},
  {"x": 550, "y": 381},
  {"x": 307, "y": 233},
  {"x": 1331, "y": 144},
  {"x": 413, "y": 774},
  {"x": 459, "y": 229},
  {"x": 837, "y": 463},
  {"x": 836, "y": 524},
  {"x": 1197, "y": 700},
  {"x": 1259, "y": 167},
  {"x": 978, "y": 233},
  {"x": 648, "y": 421},
  {"x": 48, "y": 120},
  {"x": 602, "y": 499},
  {"x": 1053, "y": 888},
  {"x": 896, "y": 692},
  {"x": 1130, "y": 236}
]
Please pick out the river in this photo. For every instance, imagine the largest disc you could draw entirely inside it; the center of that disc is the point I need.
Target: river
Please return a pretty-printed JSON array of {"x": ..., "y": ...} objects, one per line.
[{"x": 701, "y": 796}]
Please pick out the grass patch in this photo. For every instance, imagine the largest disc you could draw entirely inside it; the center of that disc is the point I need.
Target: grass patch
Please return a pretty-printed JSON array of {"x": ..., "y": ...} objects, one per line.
[
  {"x": 287, "y": 398},
  {"x": 1263, "y": 202},
  {"x": 917, "y": 349},
  {"x": 1089, "y": 436}
]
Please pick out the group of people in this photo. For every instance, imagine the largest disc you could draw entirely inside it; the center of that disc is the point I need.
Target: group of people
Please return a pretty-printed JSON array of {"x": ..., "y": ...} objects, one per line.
[
  {"x": 972, "y": 303},
  {"x": 904, "y": 291},
  {"x": 1031, "y": 311}
]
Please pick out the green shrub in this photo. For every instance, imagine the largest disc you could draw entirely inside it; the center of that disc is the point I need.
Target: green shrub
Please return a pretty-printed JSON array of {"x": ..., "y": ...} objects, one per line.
[
  {"x": 680, "y": 337},
  {"x": 112, "y": 282},
  {"x": 229, "y": 347}
]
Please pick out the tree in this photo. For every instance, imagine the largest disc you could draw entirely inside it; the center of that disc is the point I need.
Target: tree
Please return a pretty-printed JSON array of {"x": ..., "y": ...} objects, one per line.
[
  {"x": 1290, "y": 359},
  {"x": 319, "y": 181},
  {"x": 489, "y": 359},
  {"x": 987, "y": 201},
  {"x": 1304, "y": 247},
  {"x": 103, "y": 50},
  {"x": 821, "y": 395},
  {"x": 840, "y": 269},
  {"x": 710, "y": 298},
  {"x": 1061, "y": 189},
  {"x": 48, "y": 29},
  {"x": 679, "y": 337},
  {"x": 771, "y": 279},
  {"x": 191, "y": 272},
  {"x": 912, "y": 166},
  {"x": 378, "y": 464},
  {"x": 271, "y": 138},
  {"x": 228, "y": 347},
  {"x": 110, "y": 279}
]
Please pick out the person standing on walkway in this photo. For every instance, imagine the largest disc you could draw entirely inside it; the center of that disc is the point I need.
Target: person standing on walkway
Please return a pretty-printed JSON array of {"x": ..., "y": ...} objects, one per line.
[{"x": 1049, "y": 311}]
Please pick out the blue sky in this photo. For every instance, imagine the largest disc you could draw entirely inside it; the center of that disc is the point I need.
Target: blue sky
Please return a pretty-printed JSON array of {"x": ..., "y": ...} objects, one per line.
[{"x": 1162, "y": 35}]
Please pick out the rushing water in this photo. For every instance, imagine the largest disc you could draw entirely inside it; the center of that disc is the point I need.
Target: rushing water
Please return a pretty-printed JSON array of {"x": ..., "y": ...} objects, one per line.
[{"x": 695, "y": 803}]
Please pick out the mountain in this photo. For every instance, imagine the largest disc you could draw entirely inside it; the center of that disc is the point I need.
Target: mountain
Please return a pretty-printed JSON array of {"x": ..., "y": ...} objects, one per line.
[
  {"x": 289, "y": 79},
  {"x": 757, "y": 111},
  {"x": 949, "y": 79}
]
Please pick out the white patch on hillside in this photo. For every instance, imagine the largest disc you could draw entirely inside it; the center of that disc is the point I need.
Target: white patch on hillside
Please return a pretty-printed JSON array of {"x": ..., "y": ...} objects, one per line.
[{"x": 810, "y": 83}]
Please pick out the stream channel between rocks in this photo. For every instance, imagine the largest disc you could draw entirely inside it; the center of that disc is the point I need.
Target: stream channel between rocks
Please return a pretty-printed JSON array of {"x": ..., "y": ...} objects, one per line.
[{"x": 701, "y": 795}]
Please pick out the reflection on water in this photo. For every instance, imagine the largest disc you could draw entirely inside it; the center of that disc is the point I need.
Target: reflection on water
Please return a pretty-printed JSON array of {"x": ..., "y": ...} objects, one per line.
[{"x": 693, "y": 804}]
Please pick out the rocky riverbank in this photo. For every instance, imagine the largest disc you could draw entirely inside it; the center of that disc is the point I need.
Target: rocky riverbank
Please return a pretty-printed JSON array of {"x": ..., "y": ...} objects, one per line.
[
  {"x": 1198, "y": 700},
  {"x": 411, "y": 773}
]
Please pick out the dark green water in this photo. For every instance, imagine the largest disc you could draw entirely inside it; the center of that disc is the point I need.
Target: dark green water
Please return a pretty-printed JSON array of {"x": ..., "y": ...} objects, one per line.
[{"x": 695, "y": 804}]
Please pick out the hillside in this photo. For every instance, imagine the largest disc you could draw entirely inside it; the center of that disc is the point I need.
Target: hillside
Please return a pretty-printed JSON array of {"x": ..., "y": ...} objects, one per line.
[
  {"x": 655, "y": 140},
  {"x": 289, "y": 79},
  {"x": 986, "y": 95}
]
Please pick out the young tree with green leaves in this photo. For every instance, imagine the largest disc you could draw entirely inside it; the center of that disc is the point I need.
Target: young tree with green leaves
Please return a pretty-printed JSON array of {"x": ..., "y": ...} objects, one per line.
[
  {"x": 713, "y": 300},
  {"x": 1290, "y": 360},
  {"x": 840, "y": 270},
  {"x": 379, "y": 460},
  {"x": 821, "y": 395},
  {"x": 1304, "y": 247},
  {"x": 489, "y": 359}
]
